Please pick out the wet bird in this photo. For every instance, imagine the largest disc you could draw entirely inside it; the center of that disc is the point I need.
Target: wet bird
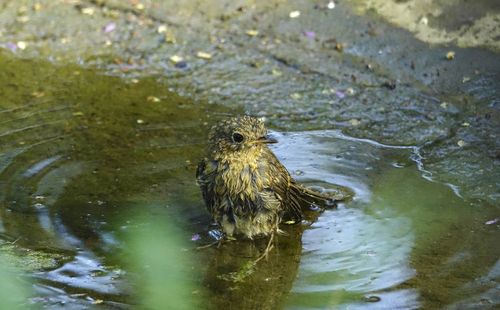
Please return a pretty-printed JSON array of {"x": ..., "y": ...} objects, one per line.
[{"x": 246, "y": 189}]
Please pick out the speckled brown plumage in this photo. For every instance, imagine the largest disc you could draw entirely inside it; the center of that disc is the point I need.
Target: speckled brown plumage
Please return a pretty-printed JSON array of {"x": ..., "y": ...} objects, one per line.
[{"x": 245, "y": 187}]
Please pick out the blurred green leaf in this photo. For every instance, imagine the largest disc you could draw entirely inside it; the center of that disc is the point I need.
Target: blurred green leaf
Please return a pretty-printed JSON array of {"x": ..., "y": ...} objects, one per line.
[
  {"x": 13, "y": 292},
  {"x": 162, "y": 267}
]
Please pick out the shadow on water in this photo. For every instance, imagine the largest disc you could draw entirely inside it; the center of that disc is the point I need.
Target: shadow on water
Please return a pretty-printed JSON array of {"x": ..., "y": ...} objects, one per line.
[{"x": 80, "y": 152}]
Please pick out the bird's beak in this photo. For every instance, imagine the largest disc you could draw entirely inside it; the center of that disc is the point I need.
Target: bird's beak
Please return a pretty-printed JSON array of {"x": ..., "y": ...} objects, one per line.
[{"x": 266, "y": 139}]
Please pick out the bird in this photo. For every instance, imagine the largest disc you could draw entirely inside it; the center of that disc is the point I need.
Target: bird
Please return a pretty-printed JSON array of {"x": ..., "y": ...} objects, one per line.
[{"x": 246, "y": 189}]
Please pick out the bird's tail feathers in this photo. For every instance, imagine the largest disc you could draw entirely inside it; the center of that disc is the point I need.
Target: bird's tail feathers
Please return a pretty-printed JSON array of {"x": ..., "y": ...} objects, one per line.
[{"x": 309, "y": 197}]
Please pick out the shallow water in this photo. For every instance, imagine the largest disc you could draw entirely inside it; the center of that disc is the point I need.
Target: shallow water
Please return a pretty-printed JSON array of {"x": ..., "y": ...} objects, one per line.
[{"x": 79, "y": 151}]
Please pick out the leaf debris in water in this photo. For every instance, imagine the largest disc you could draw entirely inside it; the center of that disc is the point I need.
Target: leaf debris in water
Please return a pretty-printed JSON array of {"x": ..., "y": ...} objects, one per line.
[{"x": 153, "y": 99}]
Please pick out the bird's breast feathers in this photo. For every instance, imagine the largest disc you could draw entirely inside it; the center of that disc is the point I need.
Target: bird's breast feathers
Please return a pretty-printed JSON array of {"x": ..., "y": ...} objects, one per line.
[{"x": 241, "y": 178}]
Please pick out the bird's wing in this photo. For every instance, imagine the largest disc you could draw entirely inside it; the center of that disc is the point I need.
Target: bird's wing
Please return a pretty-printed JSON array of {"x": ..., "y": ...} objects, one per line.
[
  {"x": 205, "y": 177},
  {"x": 280, "y": 182},
  {"x": 295, "y": 197}
]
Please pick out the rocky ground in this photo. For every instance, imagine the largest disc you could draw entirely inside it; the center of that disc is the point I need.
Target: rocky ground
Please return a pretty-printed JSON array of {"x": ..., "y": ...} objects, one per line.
[{"x": 399, "y": 72}]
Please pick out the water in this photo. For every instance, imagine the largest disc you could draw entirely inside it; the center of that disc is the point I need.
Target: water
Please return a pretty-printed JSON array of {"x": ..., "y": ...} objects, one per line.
[{"x": 80, "y": 152}]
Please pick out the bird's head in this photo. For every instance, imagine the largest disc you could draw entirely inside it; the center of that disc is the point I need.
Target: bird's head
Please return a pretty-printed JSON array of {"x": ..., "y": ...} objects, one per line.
[{"x": 238, "y": 134}]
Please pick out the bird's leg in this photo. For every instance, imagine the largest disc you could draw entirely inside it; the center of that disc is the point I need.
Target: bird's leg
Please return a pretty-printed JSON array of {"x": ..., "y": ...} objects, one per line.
[
  {"x": 267, "y": 250},
  {"x": 217, "y": 242}
]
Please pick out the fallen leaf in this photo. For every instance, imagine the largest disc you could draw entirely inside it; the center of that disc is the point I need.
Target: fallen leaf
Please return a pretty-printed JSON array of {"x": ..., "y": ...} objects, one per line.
[
  {"x": 38, "y": 94},
  {"x": 22, "y": 45},
  {"x": 203, "y": 55},
  {"x": 88, "y": 11},
  {"x": 162, "y": 29},
  {"x": 175, "y": 59},
  {"x": 340, "y": 94},
  {"x": 276, "y": 72},
  {"x": 354, "y": 122},
  {"x": 310, "y": 34},
  {"x": 11, "y": 46},
  {"x": 491, "y": 222},
  {"x": 252, "y": 32},
  {"x": 109, "y": 27}
]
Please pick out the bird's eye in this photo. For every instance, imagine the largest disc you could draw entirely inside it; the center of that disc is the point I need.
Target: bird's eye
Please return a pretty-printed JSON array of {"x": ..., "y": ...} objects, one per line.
[{"x": 238, "y": 137}]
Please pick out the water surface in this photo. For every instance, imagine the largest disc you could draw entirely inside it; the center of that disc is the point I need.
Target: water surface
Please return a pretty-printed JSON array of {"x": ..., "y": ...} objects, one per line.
[{"x": 80, "y": 152}]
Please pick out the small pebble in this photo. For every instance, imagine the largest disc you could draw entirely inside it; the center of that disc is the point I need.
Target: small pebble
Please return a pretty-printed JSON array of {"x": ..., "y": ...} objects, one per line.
[
  {"x": 181, "y": 65},
  {"x": 294, "y": 14}
]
